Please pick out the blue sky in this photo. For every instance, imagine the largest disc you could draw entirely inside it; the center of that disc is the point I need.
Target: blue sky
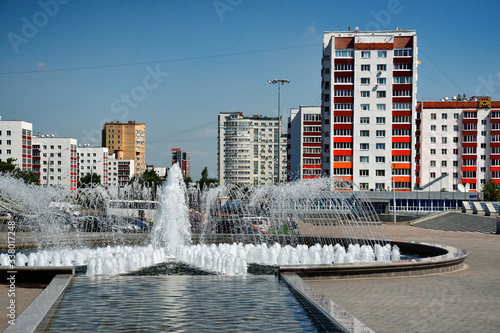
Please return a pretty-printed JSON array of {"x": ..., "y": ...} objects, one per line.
[{"x": 69, "y": 68}]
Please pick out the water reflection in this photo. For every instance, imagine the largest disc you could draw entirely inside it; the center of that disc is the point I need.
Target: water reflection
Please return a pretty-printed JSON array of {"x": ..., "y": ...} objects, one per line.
[{"x": 180, "y": 303}]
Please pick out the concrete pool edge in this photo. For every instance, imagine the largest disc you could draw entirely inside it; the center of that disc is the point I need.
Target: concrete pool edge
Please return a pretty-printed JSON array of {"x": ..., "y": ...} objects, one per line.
[
  {"x": 39, "y": 312},
  {"x": 329, "y": 315},
  {"x": 442, "y": 259}
]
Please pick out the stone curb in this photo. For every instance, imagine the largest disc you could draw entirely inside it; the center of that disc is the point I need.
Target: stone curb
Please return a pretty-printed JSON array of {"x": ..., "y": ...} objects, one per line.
[
  {"x": 38, "y": 314},
  {"x": 328, "y": 314}
]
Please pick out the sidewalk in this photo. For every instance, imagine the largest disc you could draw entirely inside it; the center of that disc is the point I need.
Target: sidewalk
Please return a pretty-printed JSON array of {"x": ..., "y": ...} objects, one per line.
[
  {"x": 462, "y": 301},
  {"x": 25, "y": 294}
]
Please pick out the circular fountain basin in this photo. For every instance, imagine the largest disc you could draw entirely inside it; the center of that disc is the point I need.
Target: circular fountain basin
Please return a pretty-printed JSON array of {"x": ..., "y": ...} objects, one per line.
[{"x": 432, "y": 259}]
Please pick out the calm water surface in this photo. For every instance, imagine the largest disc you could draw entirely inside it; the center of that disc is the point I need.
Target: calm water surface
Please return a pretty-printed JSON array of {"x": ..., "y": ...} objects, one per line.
[{"x": 180, "y": 303}]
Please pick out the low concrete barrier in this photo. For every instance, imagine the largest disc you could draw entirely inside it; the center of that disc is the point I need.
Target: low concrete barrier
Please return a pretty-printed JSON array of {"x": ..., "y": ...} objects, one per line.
[
  {"x": 440, "y": 259},
  {"x": 37, "y": 315},
  {"x": 330, "y": 315}
]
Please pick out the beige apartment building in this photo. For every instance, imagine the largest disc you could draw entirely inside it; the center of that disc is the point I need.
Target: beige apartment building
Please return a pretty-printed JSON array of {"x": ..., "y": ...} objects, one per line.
[{"x": 127, "y": 141}]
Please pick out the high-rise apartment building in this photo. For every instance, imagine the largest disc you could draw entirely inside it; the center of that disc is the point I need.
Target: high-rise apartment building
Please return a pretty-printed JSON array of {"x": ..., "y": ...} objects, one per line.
[
  {"x": 458, "y": 143},
  {"x": 93, "y": 160},
  {"x": 55, "y": 161},
  {"x": 120, "y": 171},
  {"x": 182, "y": 157},
  {"x": 16, "y": 143},
  {"x": 304, "y": 143},
  {"x": 250, "y": 150},
  {"x": 368, "y": 107},
  {"x": 127, "y": 141}
]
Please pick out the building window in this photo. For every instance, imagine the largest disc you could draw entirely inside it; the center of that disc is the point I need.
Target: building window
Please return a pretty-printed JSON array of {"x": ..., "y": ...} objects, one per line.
[
  {"x": 343, "y": 93},
  {"x": 380, "y": 107},
  {"x": 380, "y": 173},
  {"x": 433, "y": 163},
  {"x": 364, "y": 120},
  {"x": 364, "y": 133},
  {"x": 444, "y": 163},
  {"x": 364, "y": 172},
  {"x": 381, "y": 94},
  {"x": 433, "y": 151},
  {"x": 433, "y": 139},
  {"x": 365, "y": 80},
  {"x": 380, "y": 146},
  {"x": 444, "y": 139},
  {"x": 344, "y": 54},
  {"x": 380, "y": 133},
  {"x": 402, "y": 80},
  {"x": 365, "y": 54},
  {"x": 9, "y": 133},
  {"x": 444, "y": 151},
  {"x": 363, "y": 186},
  {"x": 380, "y": 120},
  {"x": 364, "y": 146},
  {"x": 365, "y": 107},
  {"x": 403, "y": 53},
  {"x": 380, "y": 159},
  {"x": 365, "y": 68},
  {"x": 433, "y": 175},
  {"x": 382, "y": 54},
  {"x": 381, "y": 80},
  {"x": 364, "y": 159},
  {"x": 381, "y": 67},
  {"x": 455, "y": 116},
  {"x": 444, "y": 116},
  {"x": 365, "y": 94}
]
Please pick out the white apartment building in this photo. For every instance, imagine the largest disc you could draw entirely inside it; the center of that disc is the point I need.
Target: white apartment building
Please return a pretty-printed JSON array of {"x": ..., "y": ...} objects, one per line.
[
  {"x": 248, "y": 150},
  {"x": 55, "y": 161},
  {"x": 93, "y": 160},
  {"x": 458, "y": 143},
  {"x": 369, "y": 84},
  {"x": 16, "y": 143},
  {"x": 120, "y": 171},
  {"x": 304, "y": 143}
]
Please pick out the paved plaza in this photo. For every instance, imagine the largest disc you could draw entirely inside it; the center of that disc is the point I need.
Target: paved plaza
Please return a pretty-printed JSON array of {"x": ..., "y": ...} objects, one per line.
[{"x": 463, "y": 301}]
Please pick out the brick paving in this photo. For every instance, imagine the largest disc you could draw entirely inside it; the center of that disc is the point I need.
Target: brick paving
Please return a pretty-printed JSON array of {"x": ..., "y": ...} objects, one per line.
[{"x": 463, "y": 301}]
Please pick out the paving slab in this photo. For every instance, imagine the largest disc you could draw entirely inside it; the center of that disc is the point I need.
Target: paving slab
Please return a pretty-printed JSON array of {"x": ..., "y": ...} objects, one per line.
[
  {"x": 25, "y": 293},
  {"x": 462, "y": 301}
]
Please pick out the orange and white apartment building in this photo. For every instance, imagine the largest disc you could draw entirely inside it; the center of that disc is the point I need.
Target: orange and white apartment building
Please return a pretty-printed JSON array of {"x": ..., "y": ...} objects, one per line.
[
  {"x": 55, "y": 161},
  {"x": 458, "y": 140},
  {"x": 304, "y": 143},
  {"x": 369, "y": 82}
]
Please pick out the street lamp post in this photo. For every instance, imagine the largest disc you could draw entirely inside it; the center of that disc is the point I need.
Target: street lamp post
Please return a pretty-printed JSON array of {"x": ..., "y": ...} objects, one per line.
[{"x": 279, "y": 82}]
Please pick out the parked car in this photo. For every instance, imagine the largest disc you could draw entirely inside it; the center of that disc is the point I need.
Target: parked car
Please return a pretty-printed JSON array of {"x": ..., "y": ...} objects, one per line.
[
  {"x": 5, "y": 216},
  {"x": 259, "y": 223}
]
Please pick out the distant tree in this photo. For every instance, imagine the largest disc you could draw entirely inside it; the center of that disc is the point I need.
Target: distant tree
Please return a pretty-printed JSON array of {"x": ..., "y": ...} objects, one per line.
[
  {"x": 491, "y": 191},
  {"x": 9, "y": 167},
  {"x": 150, "y": 179},
  {"x": 205, "y": 181},
  {"x": 90, "y": 180},
  {"x": 204, "y": 173},
  {"x": 187, "y": 181}
]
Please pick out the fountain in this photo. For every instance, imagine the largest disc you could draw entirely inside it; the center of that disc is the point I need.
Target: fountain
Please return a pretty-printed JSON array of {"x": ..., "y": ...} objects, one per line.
[{"x": 271, "y": 225}]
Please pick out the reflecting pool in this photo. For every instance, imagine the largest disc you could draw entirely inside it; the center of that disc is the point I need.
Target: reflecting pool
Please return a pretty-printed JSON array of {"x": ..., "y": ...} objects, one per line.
[{"x": 191, "y": 303}]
